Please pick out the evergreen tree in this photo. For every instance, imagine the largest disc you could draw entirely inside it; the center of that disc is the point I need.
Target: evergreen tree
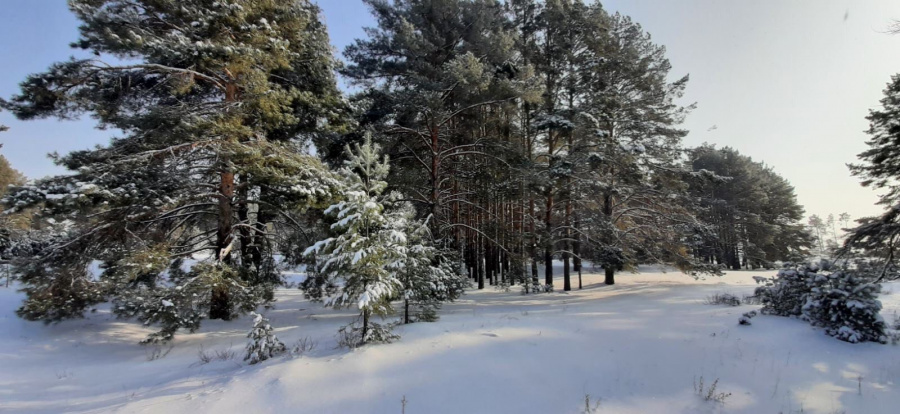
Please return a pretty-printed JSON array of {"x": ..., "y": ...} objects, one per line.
[
  {"x": 751, "y": 212},
  {"x": 429, "y": 276},
  {"x": 442, "y": 78},
  {"x": 431, "y": 70},
  {"x": 635, "y": 207},
  {"x": 880, "y": 169},
  {"x": 9, "y": 176},
  {"x": 263, "y": 343},
  {"x": 565, "y": 25},
  {"x": 359, "y": 265},
  {"x": 14, "y": 237},
  {"x": 844, "y": 219},
  {"x": 839, "y": 299},
  {"x": 215, "y": 101},
  {"x": 818, "y": 228}
]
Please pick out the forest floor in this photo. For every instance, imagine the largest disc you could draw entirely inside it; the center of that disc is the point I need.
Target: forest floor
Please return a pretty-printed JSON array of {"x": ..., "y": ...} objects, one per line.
[{"x": 640, "y": 346}]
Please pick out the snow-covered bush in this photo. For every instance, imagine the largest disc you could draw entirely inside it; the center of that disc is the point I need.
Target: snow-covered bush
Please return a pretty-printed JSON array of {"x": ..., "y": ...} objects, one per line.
[
  {"x": 893, "y": 332},
  {"x": 845, "y": 306},
  {"x": 303, "y": 346},
  {"x": 263, "y": 343},
  {"x": 537, "y": 288},
  {"x": 206, "y": 357},
  {"x": 745, "y": 318},
  {"x": 723, "y": 299},
  {"x": 502, "y": 286},
  {"x": 353, "y": 335},
  {"x": 183, "y": 298},
  {"x": 835, "y": 299},
  {"x": 429, "y": 276},
  {"x": 785, "y": 294}
]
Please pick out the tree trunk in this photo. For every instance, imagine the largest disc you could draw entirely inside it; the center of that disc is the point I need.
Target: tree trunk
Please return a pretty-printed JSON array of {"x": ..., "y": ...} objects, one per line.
[
  {"x": 220, "y": 302},
  {"x": 533, "y": 248},
  {"x": 226, "y": 219},
  {"x": 579, "y": 278},
  {"x": 406, "y": 311},
  {"x": 567, "y": 274},
  {"x": 435, "y": 182},
  {"x": 365, "y": 327},
  {"x": 245, "y": 235},
  {"x": 576, "y": 244},
  {"x": 610, "y": 276},
  {"x": 479, "y": 257},
  {"x": 548, "y": 244}
]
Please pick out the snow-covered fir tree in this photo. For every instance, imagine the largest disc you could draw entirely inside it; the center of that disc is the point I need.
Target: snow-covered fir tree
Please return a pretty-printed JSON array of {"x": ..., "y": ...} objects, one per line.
[
  {"x": 215, "y": 102},
  {"x": 785, "y": 294},
  {"x": 429, "y": 276},
  {"x": 360, "y": 264},
  {"x": 880, "y": 169},
  {"x": 846, "y": 306},
  {"x": 837, "y": 298},
  {"x": 263, "y": 343}
]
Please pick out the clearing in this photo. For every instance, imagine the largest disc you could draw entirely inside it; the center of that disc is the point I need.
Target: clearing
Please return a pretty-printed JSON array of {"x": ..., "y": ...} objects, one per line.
[{"x": 640, "y": 346}]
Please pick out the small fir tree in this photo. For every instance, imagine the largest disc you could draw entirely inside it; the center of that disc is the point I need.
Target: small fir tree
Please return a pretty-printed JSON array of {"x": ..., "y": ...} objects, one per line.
[
  {"x": 360, "y": 263},
  {"x": 429, "y": 276},
  {"x": 846, "y": 306},
  {"x": 263, "y": 343},
  {"x": 839, "y": 299}
]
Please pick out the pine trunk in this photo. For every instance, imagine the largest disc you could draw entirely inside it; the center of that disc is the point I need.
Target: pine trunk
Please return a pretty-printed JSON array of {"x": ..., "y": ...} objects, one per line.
[
  {"x": 610, "y": 275},
  {"x": 220, "y": 303},
  {"x": 365, "y": 327},
  {"x": 406, "y": 311},
  {"x": 548, "y": 244}
]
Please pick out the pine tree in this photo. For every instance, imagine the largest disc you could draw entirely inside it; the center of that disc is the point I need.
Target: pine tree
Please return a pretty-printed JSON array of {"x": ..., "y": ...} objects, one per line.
[
  {"x": 14, "y": 237},
  {"x": 359, "y": 265},
  {"x": 441, "y": 78},
  {"x": 565, "y": 25},
  {"x": 9, "y": 176},
  {"x": 818, "y": 228},
  {"x": 635, "y": 206},
  {"x": 751, "y": 213},
  {"x": 215, "y": 102},
  {"x": 263, "y": 343},
  {"x": 428, "y": 275},
  {"x": 880, "y": 168}
]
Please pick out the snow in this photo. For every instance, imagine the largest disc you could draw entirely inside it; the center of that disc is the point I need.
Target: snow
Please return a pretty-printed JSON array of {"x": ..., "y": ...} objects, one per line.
[{"x": 636, "y": 347}]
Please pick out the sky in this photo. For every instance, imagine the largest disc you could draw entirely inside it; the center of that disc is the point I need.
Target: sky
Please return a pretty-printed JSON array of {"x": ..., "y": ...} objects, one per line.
[{"x": 787, "y": 82}]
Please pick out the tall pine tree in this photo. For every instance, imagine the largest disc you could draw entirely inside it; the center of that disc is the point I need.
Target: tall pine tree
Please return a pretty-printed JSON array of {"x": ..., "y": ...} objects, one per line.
[
  {"x": 215, "y": 102},
  {"x": 880, "y": 169}
]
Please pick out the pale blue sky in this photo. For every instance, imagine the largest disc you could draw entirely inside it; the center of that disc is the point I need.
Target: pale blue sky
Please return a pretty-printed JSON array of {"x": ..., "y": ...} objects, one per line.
[{"x": 788, "y": 82}]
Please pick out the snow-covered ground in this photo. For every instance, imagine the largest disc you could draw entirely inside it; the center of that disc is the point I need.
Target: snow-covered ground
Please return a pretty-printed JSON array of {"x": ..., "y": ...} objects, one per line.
[{"x": 637, "y": 347}]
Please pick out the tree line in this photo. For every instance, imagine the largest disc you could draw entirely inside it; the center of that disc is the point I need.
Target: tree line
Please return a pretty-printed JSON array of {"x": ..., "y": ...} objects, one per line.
[{"x": 484, "y": 140}]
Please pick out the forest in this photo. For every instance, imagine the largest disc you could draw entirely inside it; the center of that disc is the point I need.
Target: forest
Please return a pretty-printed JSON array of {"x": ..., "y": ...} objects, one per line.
[{"x": 471, "y": 144}]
